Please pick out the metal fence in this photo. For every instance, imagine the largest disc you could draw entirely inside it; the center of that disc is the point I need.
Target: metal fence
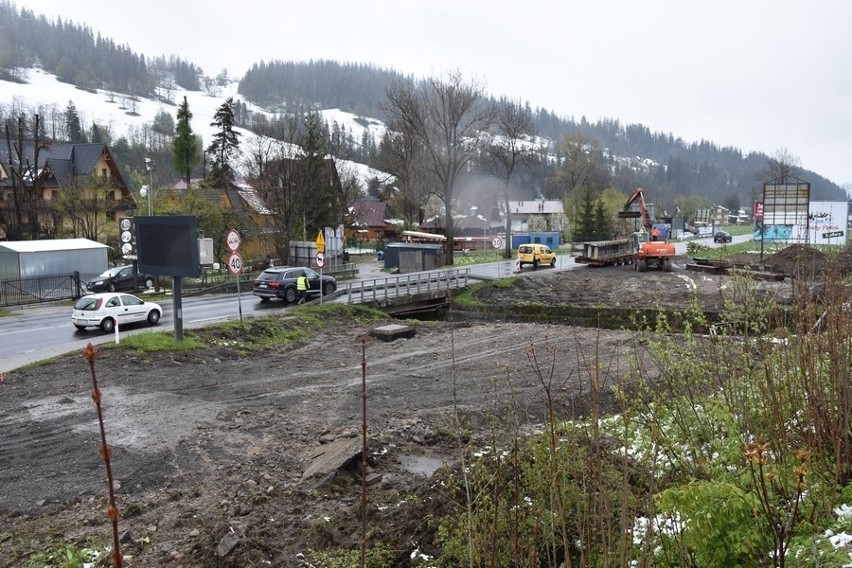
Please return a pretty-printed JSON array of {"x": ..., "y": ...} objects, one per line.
[{"x": 20, "y": 291}]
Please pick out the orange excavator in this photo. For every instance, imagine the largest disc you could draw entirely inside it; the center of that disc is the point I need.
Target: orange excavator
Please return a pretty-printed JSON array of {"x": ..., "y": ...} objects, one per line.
[{"x": 649, "y": 252}]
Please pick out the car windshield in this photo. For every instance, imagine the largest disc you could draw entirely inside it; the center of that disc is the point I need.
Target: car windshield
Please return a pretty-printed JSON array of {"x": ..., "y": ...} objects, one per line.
[{"x": 110, "y": 272}]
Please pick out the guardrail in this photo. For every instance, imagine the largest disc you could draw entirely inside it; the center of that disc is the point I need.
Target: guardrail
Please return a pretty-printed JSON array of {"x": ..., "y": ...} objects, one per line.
[{"x": 395, "y": 286}]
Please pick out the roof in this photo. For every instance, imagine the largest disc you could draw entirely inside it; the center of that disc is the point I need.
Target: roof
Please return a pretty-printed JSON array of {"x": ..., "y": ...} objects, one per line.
[
  {"x": 49, "y": 245},
  {"x": 369, "y": 213},
  {"x": 68, "y": 160}
]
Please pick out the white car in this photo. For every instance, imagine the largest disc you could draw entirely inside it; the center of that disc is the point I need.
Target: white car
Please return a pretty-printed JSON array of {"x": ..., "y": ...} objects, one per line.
[
  {"x": 109, "y": 309},
  {"x": 686, "y": 235}
]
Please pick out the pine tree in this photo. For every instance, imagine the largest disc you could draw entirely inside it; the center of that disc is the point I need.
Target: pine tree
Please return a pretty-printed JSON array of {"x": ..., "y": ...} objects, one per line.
[
  {"x": 185, "y": 146},
  {"x": 585, "y": 221},
  {"x": 321, "y": 191},
  {"x": 225, "y": 142},
  {"x": 72, "y": 124},
  {"x": 603, "y": 229}
]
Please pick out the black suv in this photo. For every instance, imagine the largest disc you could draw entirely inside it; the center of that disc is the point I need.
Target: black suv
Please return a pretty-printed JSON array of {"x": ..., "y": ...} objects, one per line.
[
  {"x": 280, "y": 282},
  {"x": 118, "y": 279},
  {"x": 721, "y": 237}
]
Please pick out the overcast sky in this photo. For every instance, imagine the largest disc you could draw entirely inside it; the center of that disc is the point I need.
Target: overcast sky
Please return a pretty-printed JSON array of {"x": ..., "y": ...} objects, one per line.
[{"x": 758, "y": 75}]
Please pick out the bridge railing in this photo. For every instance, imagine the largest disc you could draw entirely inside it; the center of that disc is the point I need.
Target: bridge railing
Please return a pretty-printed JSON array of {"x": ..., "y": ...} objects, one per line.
[{"x": 394, "y": 286}]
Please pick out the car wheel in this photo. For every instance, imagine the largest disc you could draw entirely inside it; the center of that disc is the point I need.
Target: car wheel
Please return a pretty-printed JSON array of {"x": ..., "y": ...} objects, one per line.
[
  {"x": 149, "y": 283},
  {"x": 552, "y": 262},
  {"x": 153, "y": 317},
  {"x": 80, "y": 327},
  {"x": 111, "y": 287},
  {"x": 290, "y": 295},
  {"x": 328, "y": 288},
  {"x": 108, "y": 325}
]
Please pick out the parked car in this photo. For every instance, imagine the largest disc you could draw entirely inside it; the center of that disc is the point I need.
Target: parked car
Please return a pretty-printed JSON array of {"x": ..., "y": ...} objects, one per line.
[
  {"x": 536, "y": 254},
  {"x": 280, "y": 282},
  {"x": 108, "y": 309},
  {"x": 119, "y": 278},
  {"x": 721, "y": 237},
  {"x": 685, "y": 235}
]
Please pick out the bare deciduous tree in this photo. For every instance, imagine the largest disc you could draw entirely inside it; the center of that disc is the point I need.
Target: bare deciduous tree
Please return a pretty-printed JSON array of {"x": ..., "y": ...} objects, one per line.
[
  {"x": 403, "y": 157},
  {"x": 782, "y": 165},
  {"x": 508, "y": 150},
  {"x": 447, "y": 117}
]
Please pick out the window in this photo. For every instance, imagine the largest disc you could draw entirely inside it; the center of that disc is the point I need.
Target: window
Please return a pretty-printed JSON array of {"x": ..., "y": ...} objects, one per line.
[
  {"x": 113, "y": 303},
  {"x": 104, "y": 173},
  {"x": 131, "y": 300}
]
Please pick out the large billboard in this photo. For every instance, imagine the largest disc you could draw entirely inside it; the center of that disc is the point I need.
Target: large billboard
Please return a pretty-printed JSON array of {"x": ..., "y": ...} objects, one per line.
[
  {"x": 785, "y": 212},
  {"x": 827, "y": 222}
]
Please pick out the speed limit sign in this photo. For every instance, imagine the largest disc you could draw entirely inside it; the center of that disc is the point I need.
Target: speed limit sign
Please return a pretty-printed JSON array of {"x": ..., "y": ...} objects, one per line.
[
  {"x": 497, "y": 242},
  {"x": 235, "y": 264}
]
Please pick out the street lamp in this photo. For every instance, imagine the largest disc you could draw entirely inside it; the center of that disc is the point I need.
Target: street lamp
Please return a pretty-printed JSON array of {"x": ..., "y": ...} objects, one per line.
[{"x": 150, "y": 189}]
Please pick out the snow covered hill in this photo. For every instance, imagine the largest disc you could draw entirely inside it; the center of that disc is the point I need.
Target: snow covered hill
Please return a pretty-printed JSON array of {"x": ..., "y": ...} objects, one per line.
[{"x": 124, "y": 116}]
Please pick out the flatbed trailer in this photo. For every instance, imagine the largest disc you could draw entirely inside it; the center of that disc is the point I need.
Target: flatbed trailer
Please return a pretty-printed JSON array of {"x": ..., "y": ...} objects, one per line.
[{"x": 606, "y": 253}]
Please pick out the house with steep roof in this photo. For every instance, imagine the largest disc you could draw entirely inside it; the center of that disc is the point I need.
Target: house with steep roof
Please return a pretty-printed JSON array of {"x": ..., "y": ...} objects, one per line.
[
  {"x": 244, "y": 210},
  {"x": 371, "y": 220},
  {"x": 50, "y": 169}
]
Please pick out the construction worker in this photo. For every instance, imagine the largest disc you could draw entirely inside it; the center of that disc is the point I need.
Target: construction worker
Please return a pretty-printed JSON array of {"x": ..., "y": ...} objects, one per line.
[
  {"x": 655, "y": 234},
  {"x": 302, "y": 287}
]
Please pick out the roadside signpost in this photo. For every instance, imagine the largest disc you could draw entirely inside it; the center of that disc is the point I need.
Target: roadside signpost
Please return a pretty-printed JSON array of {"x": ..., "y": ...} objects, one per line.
[
  {"x": 497, "y": 243},
  {"x": 320, "y": 259},
  {"x": 235, "y": 264}
]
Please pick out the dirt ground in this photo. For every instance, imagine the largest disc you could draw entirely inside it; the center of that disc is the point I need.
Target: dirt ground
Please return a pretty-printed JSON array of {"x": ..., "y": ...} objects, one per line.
[{"x": 228, "y": 458}]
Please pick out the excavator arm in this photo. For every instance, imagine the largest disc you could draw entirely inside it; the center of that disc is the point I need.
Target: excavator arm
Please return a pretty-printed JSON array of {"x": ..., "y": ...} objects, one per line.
[{"x": 637, "y": 195}]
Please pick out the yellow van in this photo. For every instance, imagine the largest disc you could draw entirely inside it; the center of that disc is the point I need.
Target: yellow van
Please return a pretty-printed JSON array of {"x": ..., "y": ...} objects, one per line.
[{"x": 536, "y": 254}]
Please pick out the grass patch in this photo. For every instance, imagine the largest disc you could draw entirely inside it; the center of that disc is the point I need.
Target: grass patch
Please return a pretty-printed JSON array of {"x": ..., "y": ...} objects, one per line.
[
  {"x": 154, "y": 342},
  {"x": 478, "y": 256},
  {"x": 468, "y": 299},
  {"x": 298, "y": 324}
]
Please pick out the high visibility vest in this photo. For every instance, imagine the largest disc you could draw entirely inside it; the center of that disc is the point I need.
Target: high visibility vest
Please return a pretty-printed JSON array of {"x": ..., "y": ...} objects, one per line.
[{"x": 302, "y": 283}]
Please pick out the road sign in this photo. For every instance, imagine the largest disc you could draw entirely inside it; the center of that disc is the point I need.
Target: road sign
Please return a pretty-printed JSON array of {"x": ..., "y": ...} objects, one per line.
[
  {"x": 320, "y": 259},
  {"x": 235, "y": 263},
  {"x": 497, "y": 242},
  {"x": 233, "y": 240},
  {"x": 320, "y": 242},
  {"x": 127, "y": 235},
  {"x": 832, "y": 234}
]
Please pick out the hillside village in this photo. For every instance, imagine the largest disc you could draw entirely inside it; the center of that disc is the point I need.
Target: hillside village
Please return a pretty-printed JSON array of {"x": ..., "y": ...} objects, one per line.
[{"x": 368, "y": 220}]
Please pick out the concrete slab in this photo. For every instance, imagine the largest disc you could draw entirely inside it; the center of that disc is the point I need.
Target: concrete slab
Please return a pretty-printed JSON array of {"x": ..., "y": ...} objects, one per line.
[{"x": 392, "y": 332}]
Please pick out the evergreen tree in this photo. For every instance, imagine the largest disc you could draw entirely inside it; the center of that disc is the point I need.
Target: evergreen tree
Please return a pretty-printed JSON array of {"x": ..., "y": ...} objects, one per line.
[
  {"x": 72, "y": 124},
  {"x": 603, "y": 228},
  {"x": 185, "y": 146},
  {"x": 225, "y": 142},
  {"x": 585, "y": 222},
  {"x": 321, "y": 190}
]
